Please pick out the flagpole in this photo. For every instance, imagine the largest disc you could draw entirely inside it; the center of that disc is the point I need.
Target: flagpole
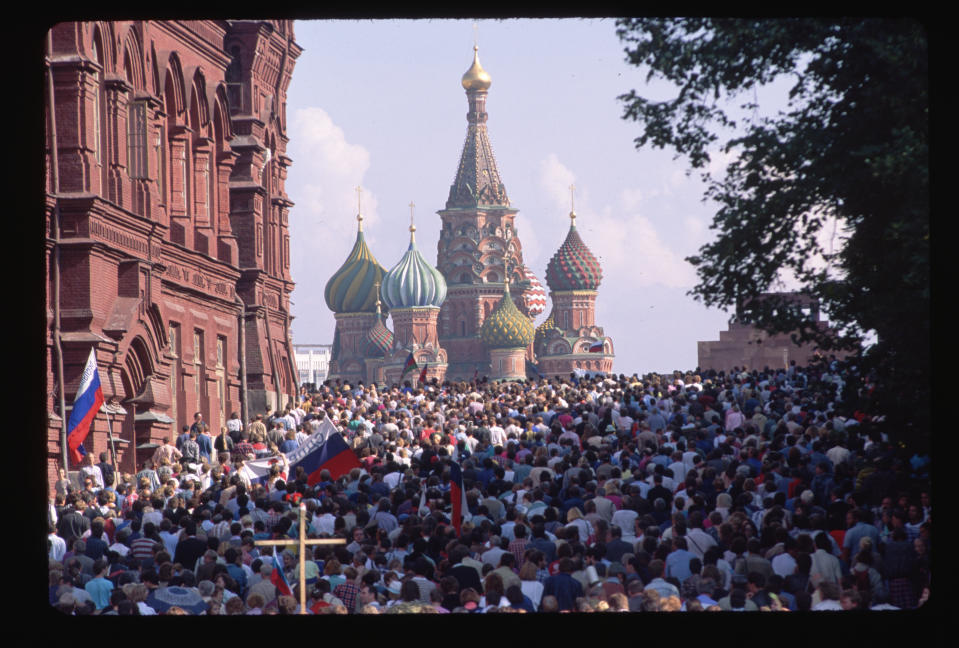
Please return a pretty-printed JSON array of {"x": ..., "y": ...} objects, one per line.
[
  {"x": 302, "y": 530},
  {"x": 113, "y": 447}
]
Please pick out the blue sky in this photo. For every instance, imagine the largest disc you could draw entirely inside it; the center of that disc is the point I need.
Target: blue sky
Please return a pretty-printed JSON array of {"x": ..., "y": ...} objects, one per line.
[{"x": 379, "y": 104}]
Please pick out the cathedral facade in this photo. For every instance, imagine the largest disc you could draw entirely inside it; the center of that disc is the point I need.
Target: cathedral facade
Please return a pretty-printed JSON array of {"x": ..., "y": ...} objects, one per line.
[{"x": 481, "y": 322}]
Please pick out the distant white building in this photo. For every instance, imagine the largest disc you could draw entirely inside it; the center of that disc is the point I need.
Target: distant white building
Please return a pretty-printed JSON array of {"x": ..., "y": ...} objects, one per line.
[{"x": 312, "y": 362}]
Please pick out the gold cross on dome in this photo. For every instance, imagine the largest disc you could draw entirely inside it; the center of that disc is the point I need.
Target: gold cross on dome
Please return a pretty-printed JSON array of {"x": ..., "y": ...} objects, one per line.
[
  {"x": 359, "y": 206},
  {"x": 572, "y": 203}
]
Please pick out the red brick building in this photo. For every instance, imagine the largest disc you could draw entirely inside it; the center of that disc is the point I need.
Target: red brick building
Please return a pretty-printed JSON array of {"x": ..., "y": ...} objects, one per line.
[
  {"x": 748, "y": 347},
  {"x": 167, "y": 239}
]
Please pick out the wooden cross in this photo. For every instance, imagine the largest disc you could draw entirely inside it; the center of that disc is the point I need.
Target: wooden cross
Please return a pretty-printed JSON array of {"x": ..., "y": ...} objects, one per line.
[{"x": 301, "y": 542}]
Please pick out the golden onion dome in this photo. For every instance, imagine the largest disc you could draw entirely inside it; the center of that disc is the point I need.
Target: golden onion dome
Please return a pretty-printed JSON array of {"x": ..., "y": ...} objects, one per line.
[
  {"x": 476, "y": 77},
  {"x": 507, "y": 327}
]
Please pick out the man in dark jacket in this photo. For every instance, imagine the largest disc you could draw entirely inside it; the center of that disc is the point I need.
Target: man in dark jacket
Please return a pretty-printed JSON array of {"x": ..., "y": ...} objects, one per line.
[{"x": 563, "y": 586}]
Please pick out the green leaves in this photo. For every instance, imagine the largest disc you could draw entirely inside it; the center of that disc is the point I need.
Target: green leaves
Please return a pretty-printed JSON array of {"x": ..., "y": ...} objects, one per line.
[{"x": 852, "y": 146}]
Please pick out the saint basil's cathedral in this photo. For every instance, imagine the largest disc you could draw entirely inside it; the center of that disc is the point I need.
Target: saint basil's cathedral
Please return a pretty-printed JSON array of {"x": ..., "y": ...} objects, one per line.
[{"x": 472, "y": 314}]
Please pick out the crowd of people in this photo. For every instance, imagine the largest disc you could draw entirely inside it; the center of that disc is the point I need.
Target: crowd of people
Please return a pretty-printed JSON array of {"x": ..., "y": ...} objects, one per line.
[{"x": 759, "y": 490}]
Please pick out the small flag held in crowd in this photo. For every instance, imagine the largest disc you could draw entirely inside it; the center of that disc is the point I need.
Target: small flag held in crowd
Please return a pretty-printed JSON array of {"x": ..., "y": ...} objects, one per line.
[
  {"x": 278, "y": 578},
  {"x": 457, "y": 496},
  {"x": 409, "y": 366},
  {"x": 422, "y": 378},
  {"x": 85, "y": 408}
]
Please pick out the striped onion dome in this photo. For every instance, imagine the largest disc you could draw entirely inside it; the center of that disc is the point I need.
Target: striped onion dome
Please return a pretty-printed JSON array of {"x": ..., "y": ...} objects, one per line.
[
  {"x": 506, "y": 327},
  {"x": 351, "y": 289},
  {"x": 413, "y": 282},
  {"x": 534, "y": 297},
  {"x": 573, "y": 267},
  {"x": 378, "y": 340}
]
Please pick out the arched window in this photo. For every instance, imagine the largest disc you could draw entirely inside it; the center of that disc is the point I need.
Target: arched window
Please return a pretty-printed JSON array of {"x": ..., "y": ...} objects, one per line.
[{"x": 96, "y": 142}]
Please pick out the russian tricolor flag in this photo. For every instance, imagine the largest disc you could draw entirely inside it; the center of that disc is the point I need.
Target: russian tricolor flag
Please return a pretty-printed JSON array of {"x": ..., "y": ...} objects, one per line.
[
  {"x": 316, "y": 455},
  {"x": 278, "y": 578},
  {"x": 409, "y": 366},
  {"x": 596, "y": 347},
  {"x": 457, "y": 496},
  {"x": 85, "y": 407}
]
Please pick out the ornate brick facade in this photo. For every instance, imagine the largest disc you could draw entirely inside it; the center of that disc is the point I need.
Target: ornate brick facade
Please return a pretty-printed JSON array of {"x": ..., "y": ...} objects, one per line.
[{"x": 168, "y": 221}]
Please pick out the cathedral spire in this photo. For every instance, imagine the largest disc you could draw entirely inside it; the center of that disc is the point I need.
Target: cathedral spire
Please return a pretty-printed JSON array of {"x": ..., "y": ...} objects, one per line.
[{"x": 477, "y": 179}]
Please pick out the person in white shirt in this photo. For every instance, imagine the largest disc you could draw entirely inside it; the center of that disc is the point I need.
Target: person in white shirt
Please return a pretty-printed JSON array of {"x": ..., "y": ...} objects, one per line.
[
  {"x": 828, "y": 594},
  {"x": 697, "y": 540},
  {"x": 58, "y": 546}
]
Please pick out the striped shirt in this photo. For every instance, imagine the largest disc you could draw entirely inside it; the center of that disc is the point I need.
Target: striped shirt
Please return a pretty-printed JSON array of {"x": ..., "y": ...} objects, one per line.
[{"x": 142, "y": 548}]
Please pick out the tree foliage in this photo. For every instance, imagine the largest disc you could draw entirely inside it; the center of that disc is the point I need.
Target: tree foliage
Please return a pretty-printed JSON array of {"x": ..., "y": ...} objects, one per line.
[{"x": 849, "y": 151}]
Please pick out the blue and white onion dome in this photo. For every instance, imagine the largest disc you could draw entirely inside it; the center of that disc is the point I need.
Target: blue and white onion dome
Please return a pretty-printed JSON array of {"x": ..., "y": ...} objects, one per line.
[{"x": 413, "y": 282}]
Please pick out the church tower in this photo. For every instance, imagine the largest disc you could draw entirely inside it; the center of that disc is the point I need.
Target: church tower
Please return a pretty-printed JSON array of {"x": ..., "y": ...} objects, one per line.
[
  {"x": 414, "y": 291},
  {"x": 479, "y": 244},
  {"x": 569, "y": 338},
  {"x": 352, "y": 295}
]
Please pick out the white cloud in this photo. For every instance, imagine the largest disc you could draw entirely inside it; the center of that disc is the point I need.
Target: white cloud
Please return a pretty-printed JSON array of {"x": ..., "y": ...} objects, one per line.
[
  {"x": 632, "y": 252},
  {"x": 831, "y": 238},
  {"x": 326, "y": 169},
  {"x": 626, "y": 243},
  {"x": 555, "y": 179},
  {"x": 333, "y": 167}
]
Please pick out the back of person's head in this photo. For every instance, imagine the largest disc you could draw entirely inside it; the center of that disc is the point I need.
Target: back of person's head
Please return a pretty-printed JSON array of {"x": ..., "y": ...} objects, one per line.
[
  {"x": 656, "y": 568},
  {"x": 829, "y": 591},
  {"x": 822, "y": 542}
]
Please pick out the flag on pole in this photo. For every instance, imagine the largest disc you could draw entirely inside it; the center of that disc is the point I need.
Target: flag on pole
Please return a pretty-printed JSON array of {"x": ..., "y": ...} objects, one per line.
[
  {"x": 422, "y": 378},
  {"x": 457, "y": 496},
  {"x": 409, "y": 366},
  {"x": 596, "y": 347},
  {"x": 533, "y": 370},
  {"x": 85, "y": 407},
  {"x": 257, "y": 471},
  {"x": 278, "y": 578},
  {"x": 317, "y": 455}
]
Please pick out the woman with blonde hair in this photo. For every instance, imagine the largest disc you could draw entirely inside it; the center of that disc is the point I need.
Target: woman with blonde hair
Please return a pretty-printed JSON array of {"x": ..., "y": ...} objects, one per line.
[
  {"x": 137, "y": 593},
  {"x": 529, "y": 584},
  {"x": 574, "y": 518}
]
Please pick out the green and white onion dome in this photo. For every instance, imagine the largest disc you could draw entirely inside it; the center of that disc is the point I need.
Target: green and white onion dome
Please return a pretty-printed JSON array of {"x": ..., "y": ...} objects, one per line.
[{"x": 413, "y": 282}]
